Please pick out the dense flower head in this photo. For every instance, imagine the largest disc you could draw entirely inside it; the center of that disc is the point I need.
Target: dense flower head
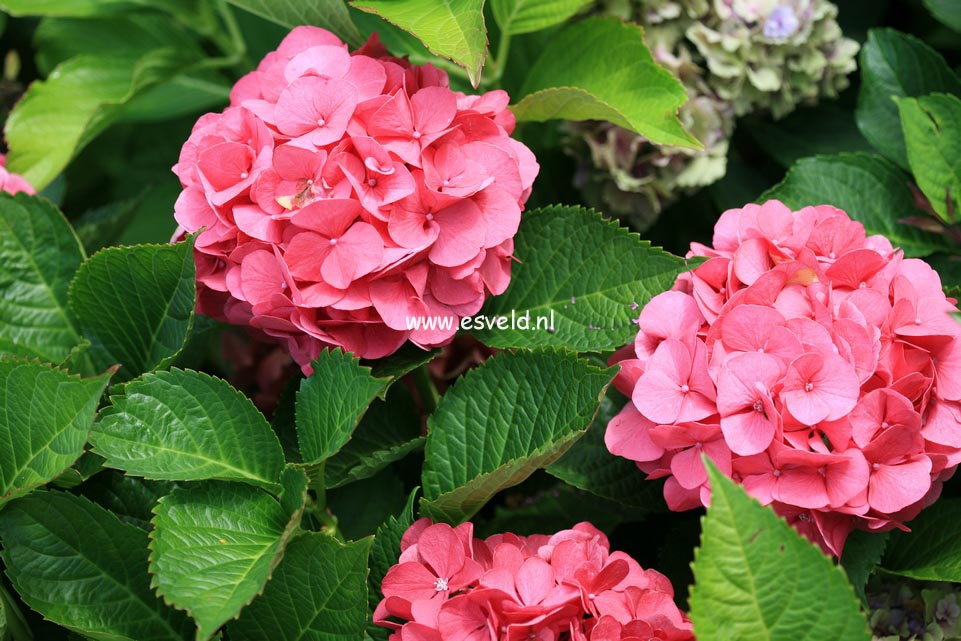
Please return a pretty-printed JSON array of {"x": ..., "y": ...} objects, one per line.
[
  {"x": 450, "y": 586},
  {"x": 341, "y": 194},
  {"x": 13, "y": 183},
  {"x": 733, "y": 57},
  {"x": 812, "y": 363}
]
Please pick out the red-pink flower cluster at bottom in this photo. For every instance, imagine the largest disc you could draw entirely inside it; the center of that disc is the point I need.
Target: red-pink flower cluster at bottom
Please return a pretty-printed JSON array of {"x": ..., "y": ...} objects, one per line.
[
  {"x": 812, "y": 363},
  {"x": 450, "y": 586}
]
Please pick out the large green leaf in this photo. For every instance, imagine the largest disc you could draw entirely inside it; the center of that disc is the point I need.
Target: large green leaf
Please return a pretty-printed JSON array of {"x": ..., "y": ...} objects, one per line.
[
  {"x": 384, "y": 554},
  {"x": 89, "y": 8},
  {"x": 318, "y": 593},
  {"x": 331, "y": 402},
  {"x": 932, "y": 549},
  {"x": 329, "y": 14},
  {"x": 452, "y": 29},
  {"x": 43, "y": 136},
  {"x": 869, "y": 188},
  {"x": 861, "y": 556},
  {"x": 894, "y": 64},
  {"x": 600, "y": 69},
  {"x": 932, "y": 129},
  {"x": 136, "y": 305},
  {"x": 389, "y": 431},
  {"x": 514, "y": 414},
  {"x": 80, "y": 567},
  {"x": 40, "y": 254},
  {"x": 46, "y": 418},
  {"x": 524, "y": 16},
  {"x": 947, "y": 11},
  {"x": 587, "y": 276},
  {"x": 215, "y": 545},
  {"x": 183, "y": 425},
  {"x": 756, "y": 579},
  {"x": 590, "y": 466},
  {"x": 130, "y": 498}
]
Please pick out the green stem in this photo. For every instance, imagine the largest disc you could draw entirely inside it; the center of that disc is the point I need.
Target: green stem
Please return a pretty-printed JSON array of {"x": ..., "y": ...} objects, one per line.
[
  {"x": 16, "y": 624},
  {"x": 425, "y": 389}
]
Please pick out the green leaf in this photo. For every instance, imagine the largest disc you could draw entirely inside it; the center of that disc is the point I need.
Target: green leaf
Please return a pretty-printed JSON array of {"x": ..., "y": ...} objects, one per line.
[
  {"x": 514, "y": 414},
  {"x": 932, "y": 549},
  {"x": 331, "y": 402},
  {"x": 214, "y": 546},
  {"x": 386, "y": 548},
  {"x": 932, "y": 128},
  {"x": 815, "y": 131},
  {"x": 587, "y": 275},
  {"x": 13, "y": 625},
  {"x": 44, "y": 426},
  {"x": 452, "y": 29},
  {"x": 363, "y": 506},
  {"x": 600, "y": 69},
  {"x": 80, "y": 567},
  {"x": 405, "y": 360},
  {"x": 130, "y": 498},
  {"x": 103, "y": 226},
  {"x": 590, "y": 466},
  {"x": 40, "y": 254},
  {"x": 329, "y": 14},
  {"x": 183, "y": 425},
  {"x": 389, "y": 431},
  {"x": 862, "y": 553},
  {"x": 88, "y": 8},
  {"x": 757, "y": 579},
  {"x": 43, "y": 136},
  {"x": 318, "y": 593},
  {"x": 524, "y": 16},
  {"x": 869, "y": 188},
  {"x": 947, "y": 11},
  {"x": 895, "y": 64},
  {"x": 136, "y": 305}
]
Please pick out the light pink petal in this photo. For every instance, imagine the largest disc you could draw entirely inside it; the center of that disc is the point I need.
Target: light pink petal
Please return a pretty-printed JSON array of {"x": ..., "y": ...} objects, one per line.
[
  {"x": 744, "y": 380},
  {"x": 356, "y": 253},
  {"x": 534, "y": 580},
  {"x": 894, "y": 487},
  {"x": 316, "y": 107},
  {"x": 331, "y": 218},
  {"x": 688, "y": 469},
  {"x": 628, "y": 435},
  {"x": 324, "y": 60},
  {"x": 749, "y": 432},
  {"x": 410, "y": 581},
  {"x": 461, "y": 234},
  {"x": 441, "y": 550},
  {"x": 803, "y": 487},
  {"x": 746, "y": 328}
]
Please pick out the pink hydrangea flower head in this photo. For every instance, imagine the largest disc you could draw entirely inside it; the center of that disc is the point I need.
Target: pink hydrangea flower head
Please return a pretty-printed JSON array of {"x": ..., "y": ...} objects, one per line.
[
  {"x": 537, "y": 587},
  {"x": 810, "y": 362},
  {"x": 343, "y": 196}
]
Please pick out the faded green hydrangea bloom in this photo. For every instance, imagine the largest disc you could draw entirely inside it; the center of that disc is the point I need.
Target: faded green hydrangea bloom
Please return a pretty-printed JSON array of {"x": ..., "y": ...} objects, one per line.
[
  {"x": 632, "y": 178},
  {"x": 773, "y": 54},
  {"x": 914, "y": 611},
  {"x": 734, "y": 57}
]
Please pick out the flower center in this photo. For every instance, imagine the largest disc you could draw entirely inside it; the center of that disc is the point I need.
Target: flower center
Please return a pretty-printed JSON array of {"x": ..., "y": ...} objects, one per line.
[
  {"x": 685, "y": 389},
  {"x": 243, "y": 175},
  {"x": 441, "y": 585},
  {"x": 808, "y": 387},
  {"x": 758, "y": 405},
  {"x": 429, "y": 217},
  {"x": 333, "y": 241},
  {"x": 416, "y": 135},
  {"x": 372, "y": 182},
  {"x": 321, "y": 122}
]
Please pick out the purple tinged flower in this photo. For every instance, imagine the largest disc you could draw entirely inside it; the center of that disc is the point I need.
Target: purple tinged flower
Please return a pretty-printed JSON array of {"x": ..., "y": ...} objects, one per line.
[{"x": 781, "y": 24}]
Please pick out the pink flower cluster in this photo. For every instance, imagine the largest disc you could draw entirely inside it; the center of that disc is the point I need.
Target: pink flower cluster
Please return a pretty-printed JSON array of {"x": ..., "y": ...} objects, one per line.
[
  {"x": 811, "y": 363},
  {"x": 450, "y": 586},
  {"x": 342, "y": 194},
  {"x": 13, "y": 183}
]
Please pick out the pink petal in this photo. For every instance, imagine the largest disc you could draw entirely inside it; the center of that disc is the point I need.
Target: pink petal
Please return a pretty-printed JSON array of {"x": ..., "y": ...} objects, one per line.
[
  {"x": 748, "y": 433},
  {"x": 894, "y": 487},
  {"x": 745, "y": 379},
  {"x": 410, "y": 581},
  {"x": 357, "y": 253},
  {"x": 628, "y": 435},
  {"x": 441, "y": 550},
  {"x": 461, "y": 234}
]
